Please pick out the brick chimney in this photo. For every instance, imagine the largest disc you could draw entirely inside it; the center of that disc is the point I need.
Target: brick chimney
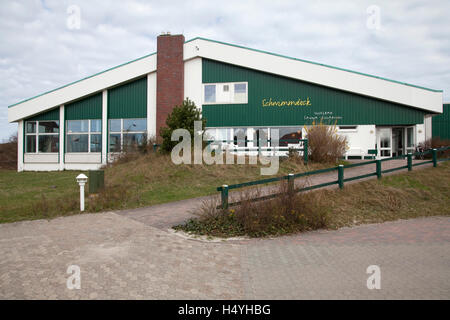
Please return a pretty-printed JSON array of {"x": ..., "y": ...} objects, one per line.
[{"x": 169, "y": 77}]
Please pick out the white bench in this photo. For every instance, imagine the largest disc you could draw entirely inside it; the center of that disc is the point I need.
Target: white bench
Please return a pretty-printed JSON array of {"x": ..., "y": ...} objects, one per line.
[{"x": 355, "y": 152}]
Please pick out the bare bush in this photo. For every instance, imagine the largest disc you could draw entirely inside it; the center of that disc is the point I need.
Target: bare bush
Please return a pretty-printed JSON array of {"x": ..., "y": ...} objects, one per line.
[
  {"x": 287, "y": 213},
  {"x": 437, "y": 143},
  {"x": 8, "y": 153},
  {"x": 131, "y": 152},
  {"x": 324, "y": 144}
]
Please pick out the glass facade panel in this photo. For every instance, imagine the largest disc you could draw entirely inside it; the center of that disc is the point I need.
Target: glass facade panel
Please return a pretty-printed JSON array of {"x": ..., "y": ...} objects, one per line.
[
  {"x": 385, "y": 153},
  {"x": 96, "y": 125},
  {"x": 48, "y": 143},
  {"x": 210, "y": 93},
  {"x": 31, "y": 144},
  {"x": 48, "y": 126},
  {"x": 385, "y": 138},
  {"x": 130, "y": 125},
  {"x": 114, "y": 143},
  {"x": 260, "y": 137},
  {"x": 210, "y": 134},
  {"x": 77, "y": 126},
  {"x": 240, "y": 88},
  {"x": 133, "y": 139},
  {"x": 409, "y": 137},
  {"x": 77, "y": 143},
  {"x": 240, "y": 137},
  {"x": 289, "y": 135},
  {"x": 31, "y": 127},
  {"x": 114, "y": 125},
  {"x": 224, "y": 134},
  {"x": 96, "y": 143}
]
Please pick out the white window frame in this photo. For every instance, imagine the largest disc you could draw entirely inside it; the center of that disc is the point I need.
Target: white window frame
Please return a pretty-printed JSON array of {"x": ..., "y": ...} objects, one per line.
[
  {"x": 122, "y": 132},
  {"x": 230, "y": 92},
  {"x": 36, "y": 134},
  {"x": 89, "y": 132}
]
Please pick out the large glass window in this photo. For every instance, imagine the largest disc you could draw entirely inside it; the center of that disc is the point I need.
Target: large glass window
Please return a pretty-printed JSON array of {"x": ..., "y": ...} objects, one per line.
[
  {"x": 240, "y": 137},
  {"x": 260, "y": 137},
  {"x": 288, "y": 135},
  {"x": 132, "y": 125},
  {"x": 45, "y": 139},
  {"x": 240, "y": 93},
  {"x": 84, "y": 135},
  {"x": 124, "y": 133},
  {"x": 210, "y": 93}
]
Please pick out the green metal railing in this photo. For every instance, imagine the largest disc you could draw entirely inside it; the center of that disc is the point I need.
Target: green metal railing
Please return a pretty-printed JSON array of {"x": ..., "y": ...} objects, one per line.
[
  {"x": 340, "y": 179},
  {"x": 235, "y": 145}
]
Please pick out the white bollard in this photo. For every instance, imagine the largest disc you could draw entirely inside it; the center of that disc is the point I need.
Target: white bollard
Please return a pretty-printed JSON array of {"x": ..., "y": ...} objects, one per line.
[{"x": 81, "y": 179}]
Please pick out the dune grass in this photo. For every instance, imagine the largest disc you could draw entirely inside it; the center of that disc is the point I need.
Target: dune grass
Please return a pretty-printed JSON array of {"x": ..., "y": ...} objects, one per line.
[
  {"x": 407, "y": 195},
  {"x": 419, "y": 193}
]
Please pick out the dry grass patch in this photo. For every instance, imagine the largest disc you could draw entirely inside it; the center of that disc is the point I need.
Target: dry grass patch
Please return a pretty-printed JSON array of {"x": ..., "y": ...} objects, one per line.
[
  {"x": 135, "y": 180},
  {"x": 285, "y": 214},
  {"x": 401, "y": 196},
  {"x": 414, "y": 194}
]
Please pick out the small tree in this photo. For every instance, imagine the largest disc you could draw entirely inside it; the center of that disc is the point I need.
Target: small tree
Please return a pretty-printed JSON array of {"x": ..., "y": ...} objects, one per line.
[
  {"x": 182, "y": 117},
  {"x": 324, "y": 144}
]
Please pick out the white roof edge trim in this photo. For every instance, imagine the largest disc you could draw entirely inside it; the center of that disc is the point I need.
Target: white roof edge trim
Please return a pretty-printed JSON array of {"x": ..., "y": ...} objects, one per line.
[
  {"x": 84, "y": 87},
  {"x": 421, "y": 98}
]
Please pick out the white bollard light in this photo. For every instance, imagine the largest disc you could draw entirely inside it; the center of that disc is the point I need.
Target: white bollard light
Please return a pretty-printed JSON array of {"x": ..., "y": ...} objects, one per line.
[{"x": 82, "y": 179}]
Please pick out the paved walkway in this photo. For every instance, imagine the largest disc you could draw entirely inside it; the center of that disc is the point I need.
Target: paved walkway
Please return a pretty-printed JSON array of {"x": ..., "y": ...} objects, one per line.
[
  {"x": 131, "y": 255},
  {"x": 121, "y": 258},
  {"x": 166, "y": 215}
]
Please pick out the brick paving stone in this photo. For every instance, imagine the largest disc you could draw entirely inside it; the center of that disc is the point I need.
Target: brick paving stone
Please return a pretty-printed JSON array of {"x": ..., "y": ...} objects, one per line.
[{"x": 121, "y": 258}]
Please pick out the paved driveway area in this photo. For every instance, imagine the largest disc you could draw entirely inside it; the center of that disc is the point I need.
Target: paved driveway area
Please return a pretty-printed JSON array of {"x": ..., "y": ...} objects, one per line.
[{"x": 124, "y": 258}]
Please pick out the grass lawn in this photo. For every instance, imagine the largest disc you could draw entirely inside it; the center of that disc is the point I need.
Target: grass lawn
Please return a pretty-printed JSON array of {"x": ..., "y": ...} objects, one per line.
[
  {"x": 419, "y": 193},
  {"x": 23, "y": 193},
  {"x": 144, "y": 181}
]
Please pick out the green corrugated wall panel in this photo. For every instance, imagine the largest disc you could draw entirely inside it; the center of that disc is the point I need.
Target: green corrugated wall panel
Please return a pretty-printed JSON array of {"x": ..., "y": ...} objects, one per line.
[
  {"x": 333, "y": 105},
  {"x": 128, "y": 100},
  {"x": 441, "y": 123},
  {"x": 87, "y": 108},
  {"x": 49, "y": 115}
]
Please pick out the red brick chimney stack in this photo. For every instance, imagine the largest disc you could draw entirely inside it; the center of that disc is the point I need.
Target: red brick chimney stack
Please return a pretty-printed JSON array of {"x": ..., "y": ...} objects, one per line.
[{"x": 169, "y": 76}]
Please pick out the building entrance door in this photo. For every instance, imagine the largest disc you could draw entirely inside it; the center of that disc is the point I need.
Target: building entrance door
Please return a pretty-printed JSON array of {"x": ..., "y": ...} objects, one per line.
[
  {"x": 409, "y": 140},
  {"x": 397, "y": 142},
  {"x": 384, "y": 141}
]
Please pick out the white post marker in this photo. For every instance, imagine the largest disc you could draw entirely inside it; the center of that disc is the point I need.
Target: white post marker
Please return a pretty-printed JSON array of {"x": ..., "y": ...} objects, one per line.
[{"x": 82, "y": 179}]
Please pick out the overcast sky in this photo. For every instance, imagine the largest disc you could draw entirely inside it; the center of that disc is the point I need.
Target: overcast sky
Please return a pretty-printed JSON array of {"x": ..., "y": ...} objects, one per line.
[{"x": 42, "y": 45}]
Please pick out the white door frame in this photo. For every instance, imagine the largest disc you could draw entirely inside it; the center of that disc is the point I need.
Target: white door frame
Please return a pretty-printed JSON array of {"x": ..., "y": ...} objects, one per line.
[
  {"x": 413, "y": 148},
  {"x": 379, "y": 148}
]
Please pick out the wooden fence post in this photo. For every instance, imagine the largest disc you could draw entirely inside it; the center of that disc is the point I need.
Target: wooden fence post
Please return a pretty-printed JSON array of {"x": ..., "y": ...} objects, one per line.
[
  {"x": 291, "y": 183},
  {"x": 434, "y": 158},
  {"x": 305, "y": 151},
  {"x": 224, "y": 195},
  {"x": 341, "y": 176},
  {"x": 378, "y": 163},
  {"x": 409, "y": 158}
]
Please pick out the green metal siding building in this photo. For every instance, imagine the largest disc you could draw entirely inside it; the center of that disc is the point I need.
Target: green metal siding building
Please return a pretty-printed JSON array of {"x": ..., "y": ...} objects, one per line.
[
  {"x": 441, "y": 124},
  {"x": 246, "y": 96}
]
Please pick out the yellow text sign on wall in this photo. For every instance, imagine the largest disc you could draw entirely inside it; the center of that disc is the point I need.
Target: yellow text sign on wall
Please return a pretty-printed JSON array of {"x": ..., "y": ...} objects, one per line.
[{"x": 286, "y": 103}]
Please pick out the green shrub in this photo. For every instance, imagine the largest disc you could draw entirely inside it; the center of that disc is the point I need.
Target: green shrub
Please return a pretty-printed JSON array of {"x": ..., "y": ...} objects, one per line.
[{"x": 182, "y": 117}]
